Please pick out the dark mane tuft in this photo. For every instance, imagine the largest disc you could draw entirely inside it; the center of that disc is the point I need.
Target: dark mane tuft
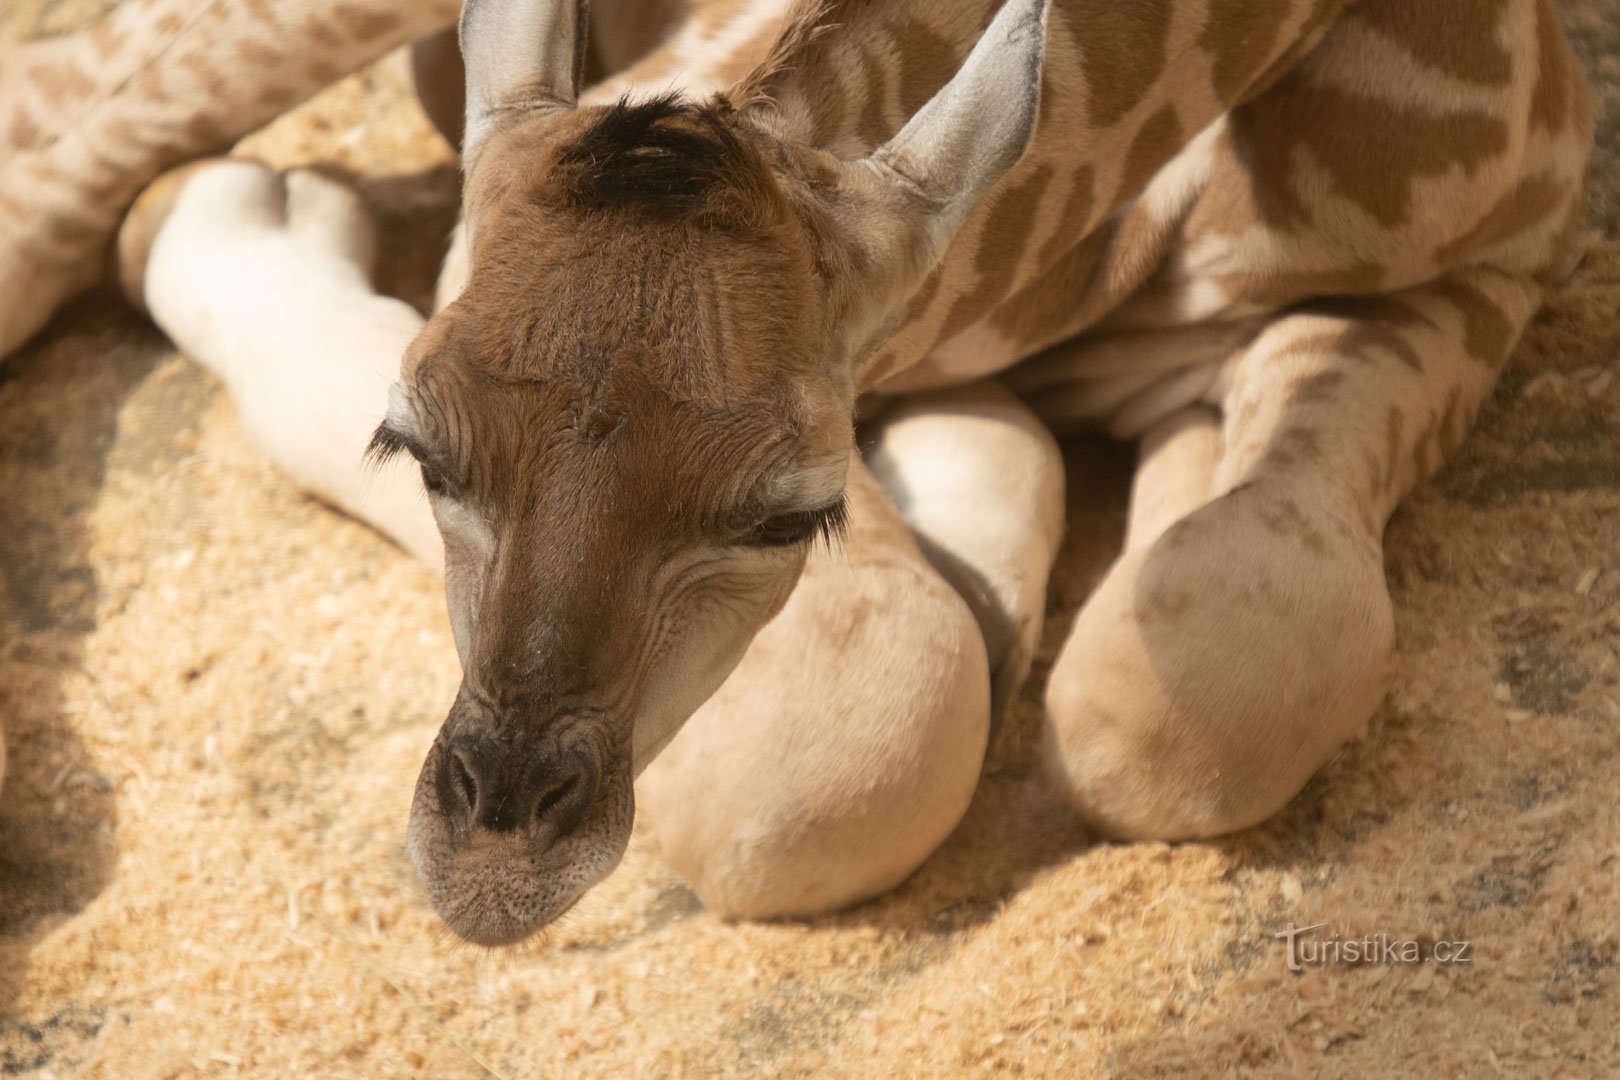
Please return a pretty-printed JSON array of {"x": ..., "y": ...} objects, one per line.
[{"x": 665, "y": 154}]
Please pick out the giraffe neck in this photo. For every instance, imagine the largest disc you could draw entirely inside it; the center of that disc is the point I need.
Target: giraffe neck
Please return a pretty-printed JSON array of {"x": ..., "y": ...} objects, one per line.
[{"x": 1195, "y": 160}]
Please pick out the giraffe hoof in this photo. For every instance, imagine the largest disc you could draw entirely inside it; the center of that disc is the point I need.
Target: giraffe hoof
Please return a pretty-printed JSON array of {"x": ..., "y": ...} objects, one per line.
[
  {"x": 146, "y": 219},
  {"x": 226, "y": 201}
]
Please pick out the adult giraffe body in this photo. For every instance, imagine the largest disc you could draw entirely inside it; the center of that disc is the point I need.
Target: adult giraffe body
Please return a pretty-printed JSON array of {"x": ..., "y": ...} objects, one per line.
[{"x": 1287, "y": 244}]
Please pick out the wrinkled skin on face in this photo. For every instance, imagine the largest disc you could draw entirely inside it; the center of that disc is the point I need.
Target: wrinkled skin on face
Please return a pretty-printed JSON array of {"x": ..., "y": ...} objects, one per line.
[
  {"x": 636, "y": 417},
  {"x": 627, "y": 493}
]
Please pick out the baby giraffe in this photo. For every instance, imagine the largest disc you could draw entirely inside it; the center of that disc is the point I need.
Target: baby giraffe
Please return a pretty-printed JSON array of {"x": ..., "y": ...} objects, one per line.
[
  {"x": 849, "y": 739},
  {"x": 1286, "y": 247}
]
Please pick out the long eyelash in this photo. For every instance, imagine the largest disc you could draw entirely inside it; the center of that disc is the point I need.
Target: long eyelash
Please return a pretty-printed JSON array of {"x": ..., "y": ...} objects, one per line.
[
  {"x": 386, "y": 444},
  {"x": 832, "y": 522}
]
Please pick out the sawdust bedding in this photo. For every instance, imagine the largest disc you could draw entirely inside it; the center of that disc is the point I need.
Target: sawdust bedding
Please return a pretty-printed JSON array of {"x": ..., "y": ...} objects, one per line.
[{"x": 217, "y": 695}]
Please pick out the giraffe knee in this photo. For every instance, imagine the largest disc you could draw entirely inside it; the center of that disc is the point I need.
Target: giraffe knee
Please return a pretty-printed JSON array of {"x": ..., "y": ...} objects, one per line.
[
  {"x": 1215, "y": 670},
  {"x": 837, "y": 757},
  {"x": 979, "y": 480}
]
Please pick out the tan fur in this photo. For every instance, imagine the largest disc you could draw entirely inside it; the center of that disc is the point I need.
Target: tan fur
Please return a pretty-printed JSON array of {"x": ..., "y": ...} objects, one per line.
[
  {"x": 1318, "y": 224},
  {"x": 846, "y": 745},
  {"x": 979, "y": 479}
]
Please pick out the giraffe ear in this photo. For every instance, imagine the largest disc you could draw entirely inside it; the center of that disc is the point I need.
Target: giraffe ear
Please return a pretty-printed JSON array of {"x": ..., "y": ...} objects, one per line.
[
  {"x": 913, "y": 194},
  {"x": 521, "y": 56},
  {"x": 967, "y": 137}
]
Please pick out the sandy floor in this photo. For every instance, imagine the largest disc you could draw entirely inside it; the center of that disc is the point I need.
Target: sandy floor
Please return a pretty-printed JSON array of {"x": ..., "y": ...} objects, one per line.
[{"x": 217, "y": 695}]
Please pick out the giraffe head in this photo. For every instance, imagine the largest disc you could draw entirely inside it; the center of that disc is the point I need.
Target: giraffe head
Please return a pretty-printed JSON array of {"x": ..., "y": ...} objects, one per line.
[{"x": 636, "y": 419}]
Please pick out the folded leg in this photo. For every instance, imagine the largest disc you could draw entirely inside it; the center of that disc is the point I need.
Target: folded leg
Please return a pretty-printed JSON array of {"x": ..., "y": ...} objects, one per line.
[
  {"x": 979, "y": 479},
  {"x": 846, "y": 745},
  {"x": 1247, "y": 630},
  {"x": 265, "y": 280},
  {"x": 87, "y": 120}
]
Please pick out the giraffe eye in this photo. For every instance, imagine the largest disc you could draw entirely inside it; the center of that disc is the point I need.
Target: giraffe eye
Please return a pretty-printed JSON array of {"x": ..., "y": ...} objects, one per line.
[
  {"x": 801, "y": 526},
  {"x": 432, "y": 480}
]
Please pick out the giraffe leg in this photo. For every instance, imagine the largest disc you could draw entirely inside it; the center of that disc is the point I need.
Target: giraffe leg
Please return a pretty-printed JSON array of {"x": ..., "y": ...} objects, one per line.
[
  {"x": 265, "y": 280},
  {"x": 87, "y": 120},
  {"x": 1246, "y": 632},
  {"x": 845, "y": 746},
  {"x": 980, "y": 481}
]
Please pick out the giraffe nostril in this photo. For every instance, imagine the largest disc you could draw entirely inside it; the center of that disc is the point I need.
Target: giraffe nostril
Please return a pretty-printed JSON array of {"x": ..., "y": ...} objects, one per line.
[
  {"x": 463, "y": 782},
  {"x": 554, "y": 797},
  {"x": 567, "y": 787}
]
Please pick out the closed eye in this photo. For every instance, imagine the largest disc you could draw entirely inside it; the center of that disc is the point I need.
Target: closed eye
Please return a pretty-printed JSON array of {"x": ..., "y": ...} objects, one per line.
[
  {"x": 433, "y": 481},
  {"x": 388, "y": 443},
  {"x": 801, "y": 526}
]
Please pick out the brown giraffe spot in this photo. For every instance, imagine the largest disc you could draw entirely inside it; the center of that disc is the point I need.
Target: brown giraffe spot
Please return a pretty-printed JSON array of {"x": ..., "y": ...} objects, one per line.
[
  {"x": 22, "y": 134},
  {"x": 1281, "y": 290},
  {"x": 363, "y": 24},
  {"x": 1008, "y": 226},
  {"x": 197, "y": 65},
  {"x": 1165, "y": 602},
  {"x": 108, "y": 188},
  {"x": 1263, "y": 594},
  {"x": 1284, "y": 520},
  {"x": 74, "y": 232},
  {"x": 1122, "y": 54},
  {"x": 1489, "y": 335},
  {"x": 107, "y": 39},
  {"x": 1371, "y": 323},
  {"x": 324, "y": 71},
  {"x": 1553, "y": 98},
  {"x": 1064, "y": 298},
  {"x": 1297, "y": 445},
  {"x": 262, "y": 10},
  {"x": 13, "y": 209},
  {"x": 148, "y": 83},
  {"x": 1530, "y": 200},
  {"x": 1298, "y": 116},
  {"x": 873, "y": 125},
  {"x": 320, "y": 34},
  {"x": 168, "y": 25},
  {"x": 1156, "y": 143},
  {"x": 257, "y": 54},
  {"x": 1309, "y": 36},
  {"x": 63, "y": 83},
  {"x": 827, "y": 109},
  {"x": 1238, "y": 35},
  {"x": 1074, "y": 219},
  {"x": 203, "y": 132},
  {"x": 1458, "y": 38},
  {"x": 925, "y": 61},
  {"x": 43, "y": 172},
  {"x": 1317, "y": 389},
  {"x": 274, "y": 96},
  {"x": 885, "y": 363}
]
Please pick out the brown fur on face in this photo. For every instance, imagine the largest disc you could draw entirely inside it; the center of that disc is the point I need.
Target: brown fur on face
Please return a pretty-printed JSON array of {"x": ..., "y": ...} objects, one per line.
[{"x": 635, "y": 389}]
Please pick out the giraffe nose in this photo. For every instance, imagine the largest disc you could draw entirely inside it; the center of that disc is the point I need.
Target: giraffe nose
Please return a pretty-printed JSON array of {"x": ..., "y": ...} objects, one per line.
[{"x": 485, "y": 785}]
